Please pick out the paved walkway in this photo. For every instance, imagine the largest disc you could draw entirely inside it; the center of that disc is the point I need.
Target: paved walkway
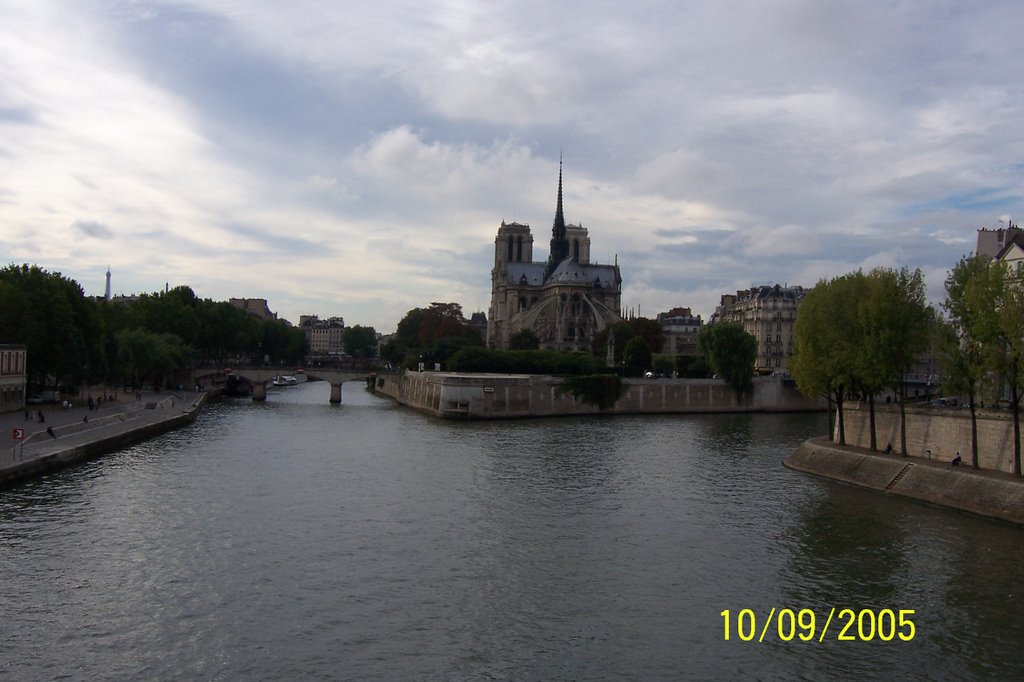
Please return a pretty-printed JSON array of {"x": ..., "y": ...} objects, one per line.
[
  {"x": 77, "y": 426},
  {"x": 964, "y": 468}
]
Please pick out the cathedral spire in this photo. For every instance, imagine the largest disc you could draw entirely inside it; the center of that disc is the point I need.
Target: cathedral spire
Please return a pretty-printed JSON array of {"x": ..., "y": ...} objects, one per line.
[{"x": 559, "y": 242}]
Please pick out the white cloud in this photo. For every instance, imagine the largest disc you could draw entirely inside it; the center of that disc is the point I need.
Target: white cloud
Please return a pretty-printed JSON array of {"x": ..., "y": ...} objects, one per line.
[
  {"x": 92, "y": 228},
  {"x": 358, "y": 158}
]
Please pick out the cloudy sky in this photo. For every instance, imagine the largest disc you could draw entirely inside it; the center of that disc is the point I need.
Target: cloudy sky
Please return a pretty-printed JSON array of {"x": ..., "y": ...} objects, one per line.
[{"x": 356, "y": 159}]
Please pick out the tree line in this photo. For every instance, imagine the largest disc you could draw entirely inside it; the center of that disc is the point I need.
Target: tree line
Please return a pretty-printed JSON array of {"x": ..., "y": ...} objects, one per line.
[
  {"x": 73, "y": 339},
  {"x": 859, "y": 334}
]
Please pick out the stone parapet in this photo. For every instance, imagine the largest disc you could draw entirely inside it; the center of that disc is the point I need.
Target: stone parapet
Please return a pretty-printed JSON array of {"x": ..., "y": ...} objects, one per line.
[
  {"x": 986, "y": 493},
  {"x": 941, "y": 430},
  {"x": 504, "y": 396}
]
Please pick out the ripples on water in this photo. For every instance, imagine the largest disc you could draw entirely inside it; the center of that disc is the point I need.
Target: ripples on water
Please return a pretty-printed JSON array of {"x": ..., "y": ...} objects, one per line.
[{"x": 293, "y": 539}]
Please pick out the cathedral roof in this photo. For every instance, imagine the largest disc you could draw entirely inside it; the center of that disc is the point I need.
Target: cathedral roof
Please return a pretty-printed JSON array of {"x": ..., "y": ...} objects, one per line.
[
  {"x": 526, "y": 273},
  {"x": 570, "y": 271}
]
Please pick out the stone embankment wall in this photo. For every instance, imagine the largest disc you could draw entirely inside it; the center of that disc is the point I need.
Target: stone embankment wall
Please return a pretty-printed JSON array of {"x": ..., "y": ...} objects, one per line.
[
  {"x": 985, "y": 493},
  {"x": 943, "y": 430},
  {"x": 80, "y": 442},
  {"x": 500, "y": 396}
]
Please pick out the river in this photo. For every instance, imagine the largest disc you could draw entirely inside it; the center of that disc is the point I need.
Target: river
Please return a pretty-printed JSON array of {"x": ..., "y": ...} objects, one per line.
[{"x": 293, "y": 539}]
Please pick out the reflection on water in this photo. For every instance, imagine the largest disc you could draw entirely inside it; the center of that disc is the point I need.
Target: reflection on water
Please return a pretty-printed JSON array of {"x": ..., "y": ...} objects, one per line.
[{"x": 297, "y": 539}]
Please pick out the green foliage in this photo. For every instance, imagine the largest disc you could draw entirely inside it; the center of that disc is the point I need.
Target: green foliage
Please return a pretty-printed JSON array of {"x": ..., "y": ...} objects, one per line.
[
  {"x": 72, "y": 338},
  {"x": 972, "y": 288},
  {"x": 143, "y": 355},
  {"x": 731, "y": 352},
  {"x": 637, "y": 355},
  {"x": 480, "y": 359},
  {"x": 983, "y": 338},
  {"x": 649, "y": 330},
  {"x": 664, "y": 364},
  {"x": 49, "y": 314},
  {"x": 683, "y": 366},
  {"x": 524, "y": 339},
  {"x": 430, "y": 335},
  {"x": 895, "y": 321},
  {"x": 1006, "y": 355},
  {"x": 600, "y": 390},
  {"x": 827, "y": 337},
  {"x": 359, "y": 341},
  {"x": 860, "y": 334},
  {"x": 280, "y": 343}
]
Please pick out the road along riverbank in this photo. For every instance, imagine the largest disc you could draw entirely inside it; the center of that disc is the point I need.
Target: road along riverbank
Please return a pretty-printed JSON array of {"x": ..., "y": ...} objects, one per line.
[
  {"x": 70, "y": 436},
  {"x": 987, "y": 493}
]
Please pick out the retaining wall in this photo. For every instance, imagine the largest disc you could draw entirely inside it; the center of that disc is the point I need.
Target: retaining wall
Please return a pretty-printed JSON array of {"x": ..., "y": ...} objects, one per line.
[
  {"x": 988, "y": 494},
  {"x": 943, "y": 430},
  {"x": 503, "y": 396},
  {"x": 91, "y": 440}
]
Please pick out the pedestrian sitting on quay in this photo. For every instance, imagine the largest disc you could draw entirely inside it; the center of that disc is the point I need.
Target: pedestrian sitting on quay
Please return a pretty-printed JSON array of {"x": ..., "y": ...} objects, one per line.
[{"x": 956, "y": 460}]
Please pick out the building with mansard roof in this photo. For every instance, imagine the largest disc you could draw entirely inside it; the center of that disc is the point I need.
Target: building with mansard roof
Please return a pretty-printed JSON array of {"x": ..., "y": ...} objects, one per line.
[
  {"x": 992, "y": 242},
  {"x": 565, "y": 300},
  {"x": 767, "y": 313}
]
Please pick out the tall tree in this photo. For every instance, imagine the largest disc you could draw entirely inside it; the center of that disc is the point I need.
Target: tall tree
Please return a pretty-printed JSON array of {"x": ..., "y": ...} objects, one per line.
[
  {"x": 359, "y": 341},
  {"x": 431, "y": 335},
  {"x": 50, "y": 315},
  {"x": 622, "y": 332},
  {"x": 894, "y": 317},
  {"x": 637, "y": 355},
  {"x": 731, "y": 352},
  {"x": 827, "y": 339},
  {"x": 972, "y": 289},
  {"x": 1007, "y": 354}
]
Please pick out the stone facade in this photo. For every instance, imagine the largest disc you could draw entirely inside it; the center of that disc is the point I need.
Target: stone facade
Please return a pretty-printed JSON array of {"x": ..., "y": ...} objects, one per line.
[
  {"x": 565, "y": 301},
  {"x": 680, "y": 328},
  {"x": 767, "y": 313},
  {"x": 991, "y": 242},
  {"x": 12, "y": 377},
  {"x": 257, "y": 307},
  {"x": 324, "y": 336}
]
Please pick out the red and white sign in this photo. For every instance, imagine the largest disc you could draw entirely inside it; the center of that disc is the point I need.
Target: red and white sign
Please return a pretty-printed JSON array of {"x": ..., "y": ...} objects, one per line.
[{"x": 17, "y": 434}]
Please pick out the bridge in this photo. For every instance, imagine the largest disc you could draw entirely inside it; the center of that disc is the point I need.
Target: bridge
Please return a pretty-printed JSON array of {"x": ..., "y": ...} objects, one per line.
[{"x": 335, "y": 374}]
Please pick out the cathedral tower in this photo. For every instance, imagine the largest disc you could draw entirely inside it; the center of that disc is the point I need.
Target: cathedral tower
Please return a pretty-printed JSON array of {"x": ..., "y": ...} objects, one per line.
[
  {"x": 559, "y": 242},
  {"x": 565, "y": 301}
]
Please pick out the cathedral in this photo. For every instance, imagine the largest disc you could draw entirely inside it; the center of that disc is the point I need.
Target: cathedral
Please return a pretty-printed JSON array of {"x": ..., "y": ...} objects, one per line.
[{"x": 565, "y": 300}]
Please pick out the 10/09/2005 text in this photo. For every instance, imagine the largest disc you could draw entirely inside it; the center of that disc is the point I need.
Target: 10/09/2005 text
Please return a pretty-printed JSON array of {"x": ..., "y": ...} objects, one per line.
[{"x": 851, "y": 625}]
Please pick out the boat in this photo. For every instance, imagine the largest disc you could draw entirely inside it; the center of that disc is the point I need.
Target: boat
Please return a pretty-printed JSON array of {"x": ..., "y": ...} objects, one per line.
[{"x": 285, "y": 380}]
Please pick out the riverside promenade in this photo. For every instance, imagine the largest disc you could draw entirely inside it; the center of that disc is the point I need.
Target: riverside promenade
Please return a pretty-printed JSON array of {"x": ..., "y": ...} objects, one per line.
[
  {"x": 79, "y": 433},
  {"x": 994, "y": 494}
]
